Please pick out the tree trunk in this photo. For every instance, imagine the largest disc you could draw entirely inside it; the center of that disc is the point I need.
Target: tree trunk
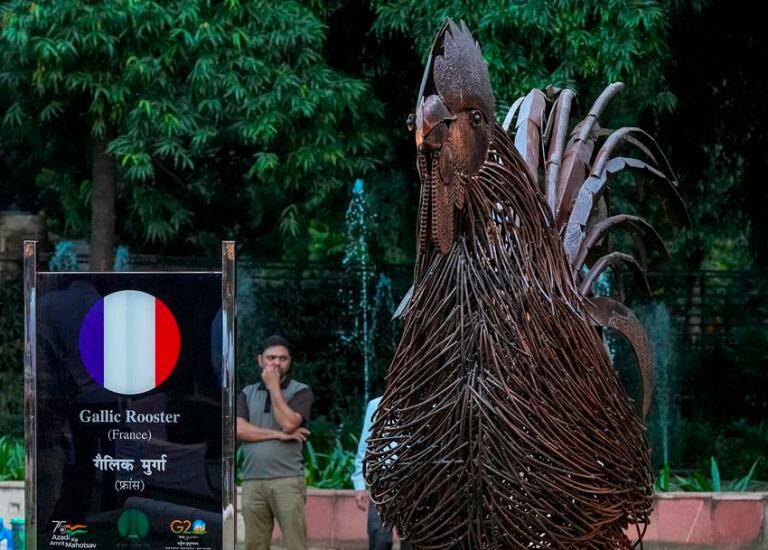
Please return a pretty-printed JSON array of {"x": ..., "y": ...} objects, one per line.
[{"x": 102, "y": 206}]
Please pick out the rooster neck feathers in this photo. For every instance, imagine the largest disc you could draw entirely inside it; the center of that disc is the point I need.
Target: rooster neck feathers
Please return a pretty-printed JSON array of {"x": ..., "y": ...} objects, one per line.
[{"x": 504, "y": 224}]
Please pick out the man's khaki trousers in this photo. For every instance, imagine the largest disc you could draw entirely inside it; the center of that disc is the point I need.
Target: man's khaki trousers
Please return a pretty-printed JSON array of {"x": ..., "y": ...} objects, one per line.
[{"x": 265, "y": 500}]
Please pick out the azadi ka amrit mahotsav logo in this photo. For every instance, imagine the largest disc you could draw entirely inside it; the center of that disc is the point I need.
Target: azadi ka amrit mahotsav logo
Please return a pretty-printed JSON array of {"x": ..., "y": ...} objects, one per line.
[{"x": 129, "y": 342}]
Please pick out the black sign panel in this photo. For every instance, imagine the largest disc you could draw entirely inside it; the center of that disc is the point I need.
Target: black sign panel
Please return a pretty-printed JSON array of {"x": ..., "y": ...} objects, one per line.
[{"x": 129, "y": 410}]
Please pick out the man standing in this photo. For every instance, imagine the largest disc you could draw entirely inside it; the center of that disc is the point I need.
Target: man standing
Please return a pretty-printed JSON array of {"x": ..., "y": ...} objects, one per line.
[
  {"x": 271, "y": 416},
  {"x": 379, "y": 535}
]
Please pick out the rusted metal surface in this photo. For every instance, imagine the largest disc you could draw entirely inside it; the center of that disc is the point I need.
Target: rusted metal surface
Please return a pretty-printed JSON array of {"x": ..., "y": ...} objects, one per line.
[{"x": 503, "y": 423}]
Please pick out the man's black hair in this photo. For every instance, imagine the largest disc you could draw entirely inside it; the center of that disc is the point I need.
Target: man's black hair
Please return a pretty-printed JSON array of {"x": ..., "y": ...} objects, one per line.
[{"x": 276, "y": 340}]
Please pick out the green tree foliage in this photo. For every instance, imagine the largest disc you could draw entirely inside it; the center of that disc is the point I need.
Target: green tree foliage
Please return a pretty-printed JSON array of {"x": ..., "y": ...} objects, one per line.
[
  {"x": 197, "y": 104},
  {"x": 252, "y": 119},
  {"x": 534, "y": 44}
]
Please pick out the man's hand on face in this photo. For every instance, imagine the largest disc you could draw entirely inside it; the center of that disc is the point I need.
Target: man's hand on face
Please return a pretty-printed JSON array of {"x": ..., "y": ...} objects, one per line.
[
  {"x": 362, "y": 499},
  {"x": 300, "y": 434},
  {"x": 271, "y": 376}
]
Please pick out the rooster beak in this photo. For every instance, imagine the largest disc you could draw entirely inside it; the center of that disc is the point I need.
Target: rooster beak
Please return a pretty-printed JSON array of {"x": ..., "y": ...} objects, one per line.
[{"x": 430, "y": 112}]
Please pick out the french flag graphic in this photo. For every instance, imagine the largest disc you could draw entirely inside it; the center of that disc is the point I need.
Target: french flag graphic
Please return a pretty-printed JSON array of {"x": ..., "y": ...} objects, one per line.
[{"x": 129, "y": 342}]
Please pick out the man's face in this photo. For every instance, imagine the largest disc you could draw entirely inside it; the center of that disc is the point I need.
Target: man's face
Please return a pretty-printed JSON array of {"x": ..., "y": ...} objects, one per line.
[{"x": 276, "y": 356}]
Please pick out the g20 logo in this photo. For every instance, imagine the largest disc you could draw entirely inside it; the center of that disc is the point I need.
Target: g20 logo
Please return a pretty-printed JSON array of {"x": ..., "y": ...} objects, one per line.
[{"x": 187, "y": 527}]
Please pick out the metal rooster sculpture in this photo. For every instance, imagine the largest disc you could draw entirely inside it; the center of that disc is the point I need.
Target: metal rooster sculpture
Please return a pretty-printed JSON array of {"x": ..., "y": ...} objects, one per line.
[{"x": 504, "y": 424}]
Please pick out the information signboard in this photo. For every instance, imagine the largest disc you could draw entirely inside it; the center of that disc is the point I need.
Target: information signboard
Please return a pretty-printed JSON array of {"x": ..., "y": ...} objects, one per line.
[{"x": 129, "y": 405}]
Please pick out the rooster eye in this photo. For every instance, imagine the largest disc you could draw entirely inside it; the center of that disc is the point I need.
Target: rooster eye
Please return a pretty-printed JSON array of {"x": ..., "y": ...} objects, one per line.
[
  {"x": 476, "y": 117},
  {"x": 410, "y": 122}
]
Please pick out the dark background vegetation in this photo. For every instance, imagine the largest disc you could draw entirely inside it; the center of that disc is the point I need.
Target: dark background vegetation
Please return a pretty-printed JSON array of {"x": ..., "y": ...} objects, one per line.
[
  {"x": 331, "y": 84},
  {"x": 250, "y": 121}
]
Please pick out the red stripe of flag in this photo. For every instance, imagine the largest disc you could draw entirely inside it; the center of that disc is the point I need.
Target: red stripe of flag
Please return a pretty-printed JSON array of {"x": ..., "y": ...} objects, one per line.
[{"x": 167, "y": 342}]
